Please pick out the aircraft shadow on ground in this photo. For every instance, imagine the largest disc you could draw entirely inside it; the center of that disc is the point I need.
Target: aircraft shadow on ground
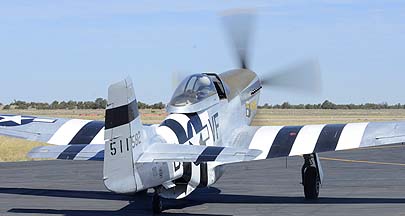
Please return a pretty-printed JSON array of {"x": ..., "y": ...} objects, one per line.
[{"x": 141, "y": 203}]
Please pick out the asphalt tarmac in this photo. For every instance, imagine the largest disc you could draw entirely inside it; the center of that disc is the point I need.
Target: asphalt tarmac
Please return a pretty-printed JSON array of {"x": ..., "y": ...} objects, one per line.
[{"x": 359, "y": 182}]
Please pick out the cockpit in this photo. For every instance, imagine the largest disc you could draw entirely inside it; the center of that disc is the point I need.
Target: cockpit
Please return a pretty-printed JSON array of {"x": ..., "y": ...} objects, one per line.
[
  {"x": 193, "y": 90},
  {"x": 196, "y": 92}
]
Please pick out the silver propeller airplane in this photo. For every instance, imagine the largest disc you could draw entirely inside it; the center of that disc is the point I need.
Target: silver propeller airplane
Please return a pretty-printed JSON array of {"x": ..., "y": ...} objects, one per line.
[{"x": 208, "y": 126}]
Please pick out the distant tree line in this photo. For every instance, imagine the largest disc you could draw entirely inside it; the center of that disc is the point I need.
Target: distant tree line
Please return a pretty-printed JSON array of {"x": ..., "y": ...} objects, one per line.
[
  {"x": 330, "y": 105},
  {"x": 99, "y": 103},
  {"x": 159, "y": 105}
]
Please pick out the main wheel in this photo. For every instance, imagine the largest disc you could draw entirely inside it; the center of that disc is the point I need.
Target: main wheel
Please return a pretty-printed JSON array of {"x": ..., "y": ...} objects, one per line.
[
  {"x": 157, "y": 206},
  {"x": 142, "y": 193},
  {"x": 311, "y": 183}
]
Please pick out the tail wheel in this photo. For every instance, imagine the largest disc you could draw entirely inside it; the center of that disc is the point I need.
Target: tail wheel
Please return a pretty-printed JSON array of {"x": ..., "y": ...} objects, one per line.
[
  {"x": 311, "y": 183},
  {"x": 157, "y": 206}
]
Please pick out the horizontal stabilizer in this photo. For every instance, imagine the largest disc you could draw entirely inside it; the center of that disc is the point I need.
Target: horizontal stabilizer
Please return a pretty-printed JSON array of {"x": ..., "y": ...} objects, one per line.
[
  {"x": 196, "y": 153},
  {"x": 69, "y": 152}
]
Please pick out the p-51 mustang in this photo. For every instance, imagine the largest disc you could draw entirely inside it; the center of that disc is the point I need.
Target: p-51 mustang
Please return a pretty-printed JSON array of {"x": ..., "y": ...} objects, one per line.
[{"x": 208, "y": 126}]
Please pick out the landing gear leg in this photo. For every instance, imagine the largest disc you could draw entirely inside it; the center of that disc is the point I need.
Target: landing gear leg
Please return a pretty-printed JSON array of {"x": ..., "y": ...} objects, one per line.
[
  {"x": 157, "y": 205},
  {"x": 311, "y": 176}
]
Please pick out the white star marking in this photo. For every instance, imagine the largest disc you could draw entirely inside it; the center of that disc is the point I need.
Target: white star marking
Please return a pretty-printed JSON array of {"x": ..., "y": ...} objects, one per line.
[{"x": 17, "y": 119}]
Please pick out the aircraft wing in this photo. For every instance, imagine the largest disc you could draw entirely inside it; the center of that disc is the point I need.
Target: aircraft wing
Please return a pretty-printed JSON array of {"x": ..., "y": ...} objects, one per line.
[
  {"x": 280, "y": 141},
  {"x": 57, "y": 131},
  {"x": 154, "y": 153}
]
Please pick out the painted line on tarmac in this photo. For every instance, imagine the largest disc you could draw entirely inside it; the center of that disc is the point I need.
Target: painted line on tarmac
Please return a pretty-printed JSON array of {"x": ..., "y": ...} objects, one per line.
[
  {"x": 384, "y": 147},
  {"x": 361, "y": 161}
]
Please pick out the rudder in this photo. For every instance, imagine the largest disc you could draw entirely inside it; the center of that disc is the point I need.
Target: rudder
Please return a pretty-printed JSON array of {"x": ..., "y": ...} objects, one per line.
[{"x": 123, "y": 131}]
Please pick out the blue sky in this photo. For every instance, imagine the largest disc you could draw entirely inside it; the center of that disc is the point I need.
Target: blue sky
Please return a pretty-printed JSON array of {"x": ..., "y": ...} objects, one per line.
[{"x": 74, "y": 49}]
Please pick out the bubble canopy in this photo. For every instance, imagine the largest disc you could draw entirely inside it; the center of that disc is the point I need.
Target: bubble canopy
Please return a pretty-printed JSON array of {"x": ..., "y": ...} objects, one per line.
[{"x": 191, "y": 92}]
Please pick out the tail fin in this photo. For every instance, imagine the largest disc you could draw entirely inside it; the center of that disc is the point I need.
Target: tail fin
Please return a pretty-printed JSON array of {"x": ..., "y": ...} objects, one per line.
[{"x": 123, "y": 131}]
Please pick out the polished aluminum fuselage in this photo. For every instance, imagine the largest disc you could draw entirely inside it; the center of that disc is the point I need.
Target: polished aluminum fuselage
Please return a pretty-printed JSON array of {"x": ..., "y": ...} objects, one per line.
[{"x": 214, "y": 124}]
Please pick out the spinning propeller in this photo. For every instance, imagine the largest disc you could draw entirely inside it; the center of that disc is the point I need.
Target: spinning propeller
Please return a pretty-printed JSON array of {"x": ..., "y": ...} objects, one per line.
[{"x": 301, "y": 76}]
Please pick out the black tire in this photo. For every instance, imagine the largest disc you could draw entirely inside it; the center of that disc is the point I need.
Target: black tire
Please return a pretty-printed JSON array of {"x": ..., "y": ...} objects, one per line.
[
  {"x": 142, "y": 193},
  {"x": 311, "y": 183},
  {"x": 157, "y": 206}
]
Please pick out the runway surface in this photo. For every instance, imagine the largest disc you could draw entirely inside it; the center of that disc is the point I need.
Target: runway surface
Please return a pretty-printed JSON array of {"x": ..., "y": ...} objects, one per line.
[{"x": 374, "y": 184}]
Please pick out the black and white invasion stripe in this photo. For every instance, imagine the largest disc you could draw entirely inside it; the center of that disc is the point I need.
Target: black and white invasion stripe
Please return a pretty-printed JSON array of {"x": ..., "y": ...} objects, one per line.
[
  {"x": 179, "y": 128},
  {"x": 76, "y": 134},
  {"x": 282, "y": 141}
]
